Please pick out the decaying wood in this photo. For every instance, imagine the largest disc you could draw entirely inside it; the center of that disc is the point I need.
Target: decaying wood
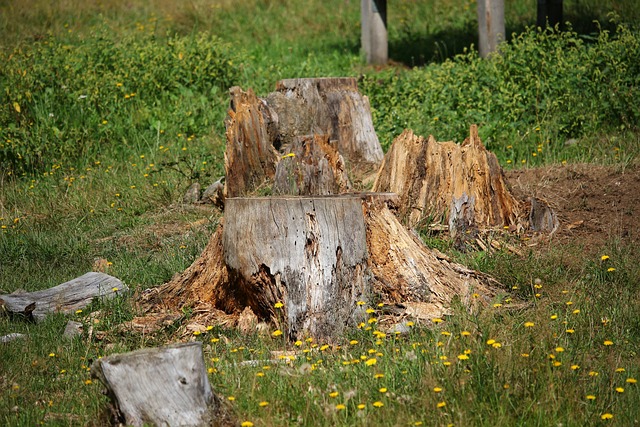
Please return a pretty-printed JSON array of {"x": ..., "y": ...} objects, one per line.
[
  {"x": 307, "y": 252},
  {"x": 65, "y": 298},
  {"x": 331, "y": 106},
  {"x": 250, "y": 158},
  {"x": 406, "y": 271},
  {"x": 311, "y": 166},
  {"x": 161, "y": 386},
  {"x": 463, "y": 185}
]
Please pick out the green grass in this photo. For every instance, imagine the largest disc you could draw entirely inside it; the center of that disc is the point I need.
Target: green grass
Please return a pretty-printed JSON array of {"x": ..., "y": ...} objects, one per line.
[{"x": 101, "y": 176}]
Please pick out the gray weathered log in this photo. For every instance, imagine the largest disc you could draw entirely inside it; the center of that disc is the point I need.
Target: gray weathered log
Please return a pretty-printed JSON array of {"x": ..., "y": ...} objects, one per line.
[
  {"x": 165, "y": 386},
  {"x": 309, "y": 253},
  {"x": 65, "y": 298},
  {"x": 11, "y": 337}
]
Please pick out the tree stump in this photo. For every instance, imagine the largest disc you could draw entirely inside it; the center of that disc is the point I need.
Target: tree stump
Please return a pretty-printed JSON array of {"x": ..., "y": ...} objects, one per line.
[
  {"x": 161, "y": 386},
  {"x": 312, "y": 166},
  {"x": 443, "y": 181},
  {"x": 330, "y": 106}
]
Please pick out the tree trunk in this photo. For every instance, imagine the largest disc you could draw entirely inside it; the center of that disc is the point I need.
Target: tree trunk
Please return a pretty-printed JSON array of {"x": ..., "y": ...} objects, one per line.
[
  {"x": 373, "y": 19},
  {"x": 161, "y": 386},
  {"x": 462, "y": 185}
]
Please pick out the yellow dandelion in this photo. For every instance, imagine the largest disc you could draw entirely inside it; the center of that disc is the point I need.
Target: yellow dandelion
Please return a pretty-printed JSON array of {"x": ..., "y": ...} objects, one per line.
[
  {"x": 608, "y": 343},
  {"x": 52, "y": 355},
  {"x": 620, "y": 389},
  {"x": 409, "y": 323},
  {"x": 496, "y": 345},
  {"x": 619, "y": 370},
  {"x": 263, "y": 403},
  {"x": 611, "y": 269},
  {"x": 491, "y": 342},
  {"x": 324, "y": 347},
  {"x": 570, "y": 331},
  {"x": 297, "y": 343},
  {"x": 465, "y": 333},
  {"x": 437, "y": 389},
  {"x": 606, "y": 416},
  {"x": 554, "y": 316},
  {"x": 445, "y": 333},
  {"x": 593, "y": 374},
  {"x": 631, "y": 380},
  {"x": 276, "y": 333},
  {"x": 575, "y": 367},
  {"x": 260, "y": 374},
  {"x": 604, "y": 257},
  {"x": 371, "y": 362},
  {"x": 591, "y": 397},
  {"x": 383, "y": 390},
  {"x": 278, "y": 305},
  {"x": 87, "y": 382},
  {"x": 463, "y": 357},
  {"x": 353, "y": 342},
  {"x": 340, "y": 407},
  {"x": 441, "y": 404},
  {"x": 437, "y": 320},
  {"x": 576, "y": 311},
  {"x": 497, "y": 305},
  {"x": 370, "y": 310},
  {"x": 559, "y": 349},
  {"x": 529, "y": 324},
  {"x": 524, "y": 354},
  {"x": 378, "y": 404},
  {"x": 361, "y": 406},
  {"x": 556, "y": 363},
  {"x": 334, "y": 394},
  {"x": 361, "y": 303}
]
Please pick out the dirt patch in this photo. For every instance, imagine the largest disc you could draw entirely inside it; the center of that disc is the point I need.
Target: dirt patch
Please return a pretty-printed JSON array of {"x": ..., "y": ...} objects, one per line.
[{"x": 595, "y": 204}]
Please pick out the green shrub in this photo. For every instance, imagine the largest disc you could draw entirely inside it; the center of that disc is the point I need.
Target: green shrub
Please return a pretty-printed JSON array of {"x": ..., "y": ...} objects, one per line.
[
  {"x": 545, "y": 88},
  {"x": 87, "y": 97}
]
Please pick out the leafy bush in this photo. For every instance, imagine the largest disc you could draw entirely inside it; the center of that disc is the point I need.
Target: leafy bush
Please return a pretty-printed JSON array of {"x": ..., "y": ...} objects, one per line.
[
  {"x": 544, "y": 88},
  {"x": 84, "y": 97}
]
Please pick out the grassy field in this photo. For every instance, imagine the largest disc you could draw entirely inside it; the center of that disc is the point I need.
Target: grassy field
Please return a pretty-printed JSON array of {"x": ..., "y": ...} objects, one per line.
[{"x": 111, "y": 109}]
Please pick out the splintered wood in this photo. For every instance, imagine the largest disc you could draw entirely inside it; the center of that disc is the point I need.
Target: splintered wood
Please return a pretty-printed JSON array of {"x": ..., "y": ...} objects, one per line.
[{"x": 463, "y": 185}]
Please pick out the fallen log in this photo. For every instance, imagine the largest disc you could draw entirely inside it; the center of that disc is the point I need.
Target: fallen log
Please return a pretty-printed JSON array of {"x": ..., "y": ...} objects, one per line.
[
  {"x": 65, "y": 298},
  {"x": 164, "y": 386}
]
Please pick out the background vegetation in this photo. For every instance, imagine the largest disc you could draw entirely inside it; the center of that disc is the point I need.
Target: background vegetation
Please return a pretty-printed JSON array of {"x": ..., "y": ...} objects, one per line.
[{"x": 109, "y": 110}]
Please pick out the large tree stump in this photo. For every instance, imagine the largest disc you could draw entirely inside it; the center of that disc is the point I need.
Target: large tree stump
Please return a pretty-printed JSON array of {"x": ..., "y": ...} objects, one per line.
[
  {"x": 165, "y": 386},
  {"x": 308, "y": 252},
  {"x": 460, "y": 184}
]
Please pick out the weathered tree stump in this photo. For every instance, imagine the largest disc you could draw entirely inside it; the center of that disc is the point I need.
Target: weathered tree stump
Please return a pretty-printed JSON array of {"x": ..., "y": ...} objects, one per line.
[
  {"x": 312, "y": 166},
  {"x": 165, "y": 386},
  {"x": 65, "y": 298},
  {"x": 308, "y": 252},
  {"x": 331, "y": 106},
  {"x": 459, "y": 184}
]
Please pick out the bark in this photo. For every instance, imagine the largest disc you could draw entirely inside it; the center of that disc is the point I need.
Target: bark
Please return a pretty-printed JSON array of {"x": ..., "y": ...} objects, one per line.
[
  {"x": 250, "y": 158},
  {"x": 161, "y": 386},
  {"x": 462, "y": 185},
  {"x": 65, "y": 298}
]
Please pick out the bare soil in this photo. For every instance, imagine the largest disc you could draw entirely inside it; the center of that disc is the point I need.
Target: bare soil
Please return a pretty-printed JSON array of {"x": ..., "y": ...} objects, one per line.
[{"x": 595, "y": 204}]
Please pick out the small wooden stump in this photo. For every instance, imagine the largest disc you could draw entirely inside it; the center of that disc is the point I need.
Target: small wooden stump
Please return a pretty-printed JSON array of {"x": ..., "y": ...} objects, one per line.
[
  {"x": 165, "y": 386},
  {"x": 65, "y": 298},
  {"x": 309, "y": 253}
]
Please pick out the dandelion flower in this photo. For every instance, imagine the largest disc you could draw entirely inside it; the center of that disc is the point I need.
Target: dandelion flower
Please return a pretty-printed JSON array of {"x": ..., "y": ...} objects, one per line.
[
  {"x": 604, "y": 257},
  {"x": 371, "y": 362},
  {"x": 524, "y": 354},
  {"x": 231, "y": 398},
  {"x": 276, "y": 333},
  {"x": 559, "y": 349},
  {"x": 278, "y": 305},
  {"x": 87, "y": 382},
  {"x": 353, "y": 342},
  {"x": 608, "y": 343},
  {"x": 570, "y": 331},
  {"x": 246, "y": 424},
  {"x": 409, "y": 323},
  {"x": 631, "y": 380},
  {"x": 463, "y": 357},
  {"x": 383, "y": 390},
  {"x": 340, "y": 407},
  {"x": 593, "y": 374},
  {"x": 529, "y": 324},
  {"x": 620, "y": 389},
  {"x": 591, "y": 397},
  {"x": 491, "y": 342},
  {"x": 437, "y": 320},
  {"x": 52, "y": 355},
  {"x": 606, "y": 416},
  {"x": 437, "y": 389},
  {"x": 554, "y": 316},
  {"x": 575, "y": 367},
  {"x": 360, "y": 303},
  {"x": 378, "y": 404},
  {"x": 576, "y": 311},
  {"x": 611, "y": 269},
  {"x": 370, "y": 310},
  {"x": 465, "y": 333},
  {"x": 441, "y": 404},
  {"x": 496, "y": 345},
  {"x": 263, "y": 403},
  {"x": 361, "y": 406}
]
